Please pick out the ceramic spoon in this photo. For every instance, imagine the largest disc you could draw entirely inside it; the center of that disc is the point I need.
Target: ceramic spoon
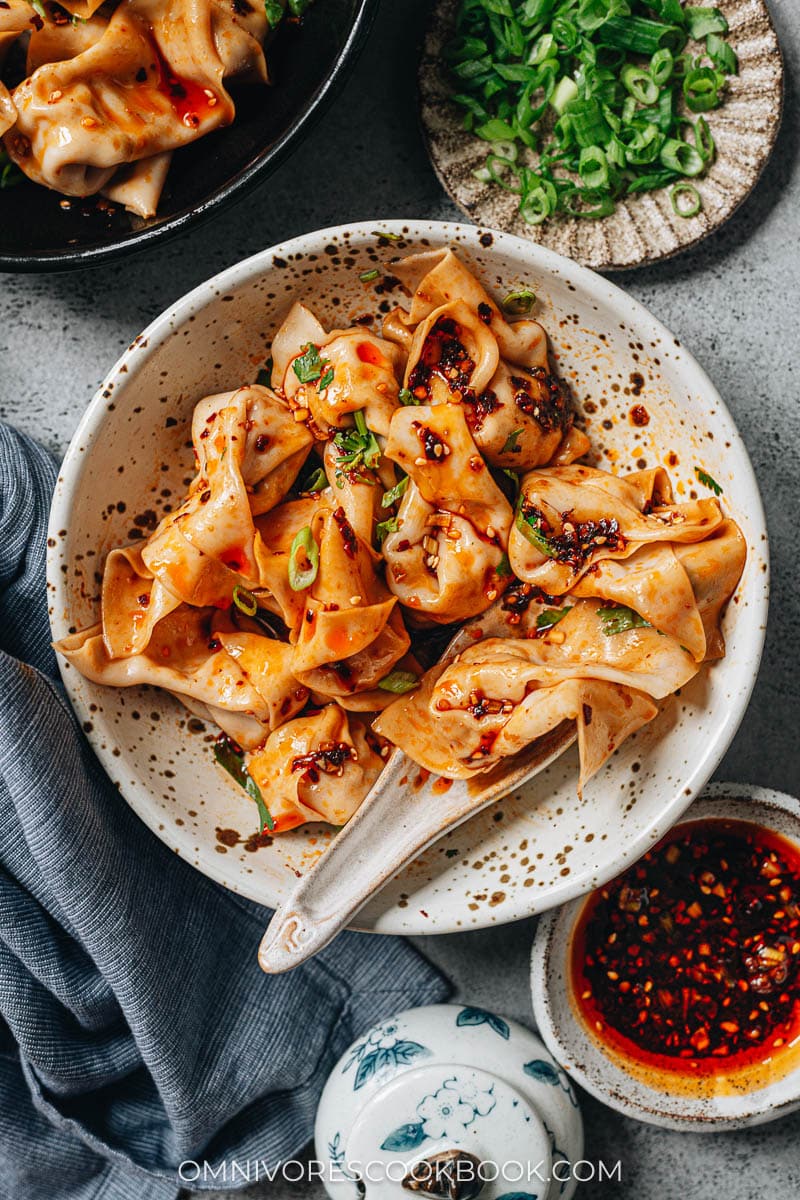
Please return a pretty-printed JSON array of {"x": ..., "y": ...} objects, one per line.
[{"x": 404, "y": 813}]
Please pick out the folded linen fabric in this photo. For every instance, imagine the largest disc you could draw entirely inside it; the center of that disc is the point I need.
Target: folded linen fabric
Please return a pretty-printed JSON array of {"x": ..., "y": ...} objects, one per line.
[{"x": 136, "y": 1029}]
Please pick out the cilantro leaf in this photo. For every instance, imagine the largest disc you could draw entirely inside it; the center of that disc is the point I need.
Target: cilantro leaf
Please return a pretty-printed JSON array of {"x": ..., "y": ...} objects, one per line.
[
  {"x": 620, "y": 619},
  {"x": 308, "y": 366}
]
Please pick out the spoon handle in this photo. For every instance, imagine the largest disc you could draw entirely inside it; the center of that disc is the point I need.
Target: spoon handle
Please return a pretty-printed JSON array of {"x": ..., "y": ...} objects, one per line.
[
  {"x": 405, "y": 812},
  {"x": 393, "y": 825}
]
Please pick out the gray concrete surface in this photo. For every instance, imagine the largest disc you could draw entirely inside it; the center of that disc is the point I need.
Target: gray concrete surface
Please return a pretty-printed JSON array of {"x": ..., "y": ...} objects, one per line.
[{"x": 733, "y": 302}]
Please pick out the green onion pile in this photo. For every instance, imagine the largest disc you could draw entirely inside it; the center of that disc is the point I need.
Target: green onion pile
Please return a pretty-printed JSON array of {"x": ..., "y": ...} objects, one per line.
[{"x": 585, "y": 102}]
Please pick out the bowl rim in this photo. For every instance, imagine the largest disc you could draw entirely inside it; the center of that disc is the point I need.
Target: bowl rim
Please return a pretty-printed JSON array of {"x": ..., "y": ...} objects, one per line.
[
  {"x": 236, "y": 189},
  {"x": 535, "y": 258},
  {"x": 746, "y": 801}
]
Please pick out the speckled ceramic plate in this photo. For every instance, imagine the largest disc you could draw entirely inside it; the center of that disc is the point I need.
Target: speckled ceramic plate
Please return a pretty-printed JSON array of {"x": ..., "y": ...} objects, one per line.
[
  {"x": 644, "y": 228},
  {"x": 132, "y": 455}
]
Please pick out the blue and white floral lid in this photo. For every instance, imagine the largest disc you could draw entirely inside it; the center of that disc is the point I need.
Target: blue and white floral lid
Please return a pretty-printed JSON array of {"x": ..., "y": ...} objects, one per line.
[{"x": 448, "y": 1083}]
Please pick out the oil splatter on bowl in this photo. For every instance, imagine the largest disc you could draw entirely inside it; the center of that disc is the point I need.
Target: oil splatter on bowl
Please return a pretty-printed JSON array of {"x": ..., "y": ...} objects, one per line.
[{"x": 131, "y": 456}]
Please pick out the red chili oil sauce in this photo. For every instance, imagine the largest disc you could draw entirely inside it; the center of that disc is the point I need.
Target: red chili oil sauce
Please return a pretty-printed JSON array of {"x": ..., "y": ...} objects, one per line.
[
  {"x": 690, "y": 961},
  {"x": 190, "y": 101}
]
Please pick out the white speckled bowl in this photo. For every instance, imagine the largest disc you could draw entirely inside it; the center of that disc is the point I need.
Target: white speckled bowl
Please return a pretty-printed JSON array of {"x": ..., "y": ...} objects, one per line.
[
  {"x": 573, "y": 1047},
  {"x": 131, "y": 455}
]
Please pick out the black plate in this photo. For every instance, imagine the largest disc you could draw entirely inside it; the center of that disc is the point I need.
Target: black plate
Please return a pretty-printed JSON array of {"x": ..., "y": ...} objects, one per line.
[{"x": 307, "y": 63}]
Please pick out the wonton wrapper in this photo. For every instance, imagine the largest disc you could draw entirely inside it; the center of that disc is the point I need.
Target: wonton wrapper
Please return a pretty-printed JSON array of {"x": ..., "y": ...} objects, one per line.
[
  {"x": 453, "y": 520},
  {"x": 351, "y": 635},
  {"x": 57, "y": 43},
  {"x": 500, "y": 694},
  {"x": 138, "y": 186},
  {"x": 436, "y": 277},
  {"x": 296, "y": 792},
  {"x": 366, "y": 373},
  {"x": 246, "y": 688},
  {"x": 456, "y": 480},
  {"x": 132, "y": 603},
  {"x": 209, "y": 544},
  {"x": 519, "y": 417},
  {"x": 81, "y": 118},
  {"x": 576, "y": 495}
]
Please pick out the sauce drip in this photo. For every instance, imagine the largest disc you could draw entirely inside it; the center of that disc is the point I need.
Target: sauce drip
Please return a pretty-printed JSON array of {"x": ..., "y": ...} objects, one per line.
[
  {"x": 690, "y": 961},
  {"x": 190, "y": 101}
]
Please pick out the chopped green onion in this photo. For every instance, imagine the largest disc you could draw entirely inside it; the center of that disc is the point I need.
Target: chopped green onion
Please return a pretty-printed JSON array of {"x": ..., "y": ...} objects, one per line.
[
  {"x": 703, "y": 139},
  {"x": 701, "y": 88},
  {"x": 520, "y": 302},
  {"x": 264, "y": 376},
  {"x": 245, "y": 601},
  {"x": 582, "y": 102},
  {"x": 534, "y": 535},
  {"x": 661, "y": 66},
  {"x": 503, "y": 568},
  {"x": 399, "y": 682},
  {"x": 368, "y": 276},
  {"x": 620, "y": 619},
  {"x": 308, "y": 365},
  {"x": 722, "y": 54},
  {"x": 316, "y": 482},
  {"x": 302, "y": 574},
  {"x": 384, "y": 528},
  {"x": 565, "y": 91},
  {"x": 389, "y": 237},
  {"x": 640, "y": 83},
  {"x": 640, "y": 35},
  {"x": 708, "y": 481},
  {"x": 551, "y": 617},
  {"x": 536, "y": 207},
  {"x": 685, "y": 200},
  {"x": 514, "y": 477},
  {"x": 407, "y": 397},
  {"x": 593, "y": 167},
  {"x": 702, "y": 21},
  {"x": 359, "y": 447},
  {"x": 680, "y": 156},
  {"x": 274, "y": 12},
  {"x": 231, "y": 758},
  {"x": 510, "y": 444},
  {"x": 394, "y": 494}
]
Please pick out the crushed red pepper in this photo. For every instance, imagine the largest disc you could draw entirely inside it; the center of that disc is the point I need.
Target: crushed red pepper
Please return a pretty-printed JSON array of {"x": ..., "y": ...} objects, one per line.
[
  {"x": 330, "y": 758},
  {"x": 445, "y": 355},
  {"x": 577, "y": 540},
  {"x": 540, "y": 396},
  {"x": 694, "y": 953}
]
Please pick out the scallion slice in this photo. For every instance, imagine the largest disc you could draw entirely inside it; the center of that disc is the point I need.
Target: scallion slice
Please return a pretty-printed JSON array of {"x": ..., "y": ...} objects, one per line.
[
  {"x": 640, "y": 83},
  {"x": 245, "y": 601},
  {"x": 682, "y": 157},
  {"x": 519, "y": 303},
  {"x": 582, "y": 102},
  {"x": 685, "y": 200},
  {"x": 303, "y": 560},
  {"x": 399, "y": 682}
]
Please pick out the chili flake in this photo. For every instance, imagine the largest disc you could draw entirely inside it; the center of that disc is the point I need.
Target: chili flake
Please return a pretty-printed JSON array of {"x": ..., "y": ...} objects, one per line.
[{"x": 691, "y": 959}]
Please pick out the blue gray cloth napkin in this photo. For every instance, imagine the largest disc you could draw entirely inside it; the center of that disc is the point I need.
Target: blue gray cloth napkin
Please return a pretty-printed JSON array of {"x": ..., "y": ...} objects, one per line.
[{"x": 136, "y": 1029}]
